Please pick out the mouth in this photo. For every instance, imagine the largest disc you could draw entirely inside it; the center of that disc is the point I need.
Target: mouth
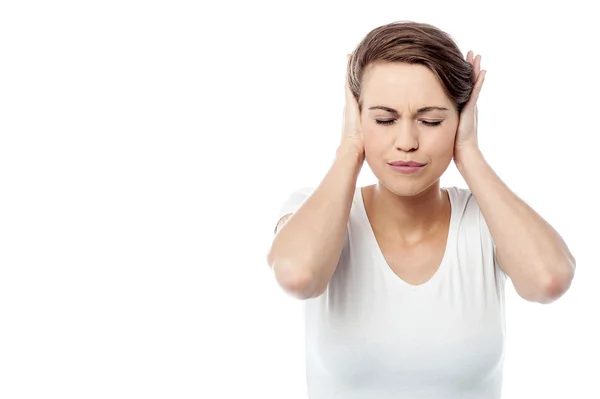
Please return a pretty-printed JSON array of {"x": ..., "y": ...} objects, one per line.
[
  {"x": 407, "y": 164},
  {"x": 407, "y": 168}
]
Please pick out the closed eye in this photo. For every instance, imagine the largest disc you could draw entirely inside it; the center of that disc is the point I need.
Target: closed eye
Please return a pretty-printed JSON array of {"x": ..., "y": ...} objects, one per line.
[
  {"x": 429, "y": 123},
  {"x": 390, "y": 121}
]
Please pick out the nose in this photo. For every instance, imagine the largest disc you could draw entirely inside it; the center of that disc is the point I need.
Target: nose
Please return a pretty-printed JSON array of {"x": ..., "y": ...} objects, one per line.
[{"x": 406, "y": 137}]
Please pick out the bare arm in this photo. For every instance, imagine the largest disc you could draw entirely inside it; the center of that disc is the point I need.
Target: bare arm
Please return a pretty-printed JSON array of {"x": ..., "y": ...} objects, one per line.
[
  {"x": 307, "y": 246},
  {"x": 528, "y": 249}
]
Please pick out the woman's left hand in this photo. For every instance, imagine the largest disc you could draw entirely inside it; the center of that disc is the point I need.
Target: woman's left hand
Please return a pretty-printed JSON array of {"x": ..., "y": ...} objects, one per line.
[{"x": 466, "y": 135}]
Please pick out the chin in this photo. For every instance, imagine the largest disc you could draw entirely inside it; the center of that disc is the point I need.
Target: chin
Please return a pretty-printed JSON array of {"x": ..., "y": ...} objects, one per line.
[{"x": 408, "y": 186}]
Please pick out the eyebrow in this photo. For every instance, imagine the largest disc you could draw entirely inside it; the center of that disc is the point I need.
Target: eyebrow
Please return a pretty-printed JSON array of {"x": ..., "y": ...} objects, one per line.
[{"x": 419, "y": 111}]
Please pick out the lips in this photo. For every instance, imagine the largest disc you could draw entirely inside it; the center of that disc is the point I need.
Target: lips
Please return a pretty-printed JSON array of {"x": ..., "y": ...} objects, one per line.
[{"x": 410, "y": 164}]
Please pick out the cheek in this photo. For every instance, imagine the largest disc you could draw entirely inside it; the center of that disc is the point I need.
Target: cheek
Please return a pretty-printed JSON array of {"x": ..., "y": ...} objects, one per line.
[
  {"x": 377, "y": 135},
  {"x": 374, "y": 140},
  {"x": 439, "y": 143}
]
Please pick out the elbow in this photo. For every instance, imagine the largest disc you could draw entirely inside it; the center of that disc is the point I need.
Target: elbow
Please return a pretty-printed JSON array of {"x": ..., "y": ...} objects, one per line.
[
  {"x": 556, "y": 284},
  {"x": 548, "y": 286},
  {"x": 297, "y": 281}
]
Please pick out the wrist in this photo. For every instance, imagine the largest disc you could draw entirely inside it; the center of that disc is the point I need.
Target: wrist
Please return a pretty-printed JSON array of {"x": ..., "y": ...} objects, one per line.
[
  {"x": 466, "y": 155},
  {"x": 350, "y": 152}
]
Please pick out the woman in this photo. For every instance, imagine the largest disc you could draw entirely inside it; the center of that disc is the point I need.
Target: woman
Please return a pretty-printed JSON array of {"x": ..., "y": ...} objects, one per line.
[{"x": 404, "y": 280}]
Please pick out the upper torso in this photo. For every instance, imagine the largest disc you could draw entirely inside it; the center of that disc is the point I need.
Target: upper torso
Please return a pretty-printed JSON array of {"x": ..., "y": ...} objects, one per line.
[{"x": 373, "y": 335}]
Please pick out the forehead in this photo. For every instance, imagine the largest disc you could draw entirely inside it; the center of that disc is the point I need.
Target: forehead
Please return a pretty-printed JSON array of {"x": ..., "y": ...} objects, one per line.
[{"x": 394, "y": 84}]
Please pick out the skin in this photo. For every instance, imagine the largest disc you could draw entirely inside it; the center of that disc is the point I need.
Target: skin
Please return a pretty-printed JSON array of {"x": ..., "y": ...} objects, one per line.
[
  {"x": 409, "y": 213},
  {"x": 407, "y": 207}
]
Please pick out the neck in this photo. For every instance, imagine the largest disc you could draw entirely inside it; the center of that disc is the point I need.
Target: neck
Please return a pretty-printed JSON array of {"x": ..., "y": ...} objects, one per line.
[{"x": 410, "y": 218}]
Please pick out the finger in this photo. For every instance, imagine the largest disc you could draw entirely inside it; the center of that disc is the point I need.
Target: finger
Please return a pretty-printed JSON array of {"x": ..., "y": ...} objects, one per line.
[
  {"x": 477, "y": 66},
  {"x": 471, "y": 104},
  {"x": 347, "y": 77},
  {"x": 477, "y": 87},
  {"x": 470, "y": 57},
  {"x": 349, "y": 95},
  {"x": 347, "y": 90},
  {"x": 348, "y": 61},
  {"x": 348, "y": 64}
]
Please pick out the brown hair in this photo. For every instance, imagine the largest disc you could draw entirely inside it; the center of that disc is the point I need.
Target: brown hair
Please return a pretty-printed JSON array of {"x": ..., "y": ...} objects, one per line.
[{"x": 414, "y": 43}]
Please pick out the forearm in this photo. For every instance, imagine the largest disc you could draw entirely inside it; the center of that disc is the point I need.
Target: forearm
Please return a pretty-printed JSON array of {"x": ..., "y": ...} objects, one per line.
[
  {"x": 306, "y": 250},
  {"x": 528, "y": 249}
]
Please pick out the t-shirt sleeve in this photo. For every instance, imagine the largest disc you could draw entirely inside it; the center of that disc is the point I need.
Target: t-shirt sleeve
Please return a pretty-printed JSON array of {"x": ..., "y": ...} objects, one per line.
[
  {"x": 487, "y": 246},
  {"x": 293, "y": 201},
  {"x": 489, "y": 243}
]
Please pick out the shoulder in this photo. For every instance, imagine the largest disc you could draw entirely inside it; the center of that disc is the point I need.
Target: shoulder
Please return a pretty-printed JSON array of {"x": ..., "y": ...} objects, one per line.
[
  {"x": 470, "y": 220},
  {"x": 468, "y": 214},
  {"x": 295, "y": 198},
  {"x": 299, "y": 194},
  {"x": 292, "y": 200},
  {"x": 472, "y": 236},
  {"x": 463, "y": 202}
]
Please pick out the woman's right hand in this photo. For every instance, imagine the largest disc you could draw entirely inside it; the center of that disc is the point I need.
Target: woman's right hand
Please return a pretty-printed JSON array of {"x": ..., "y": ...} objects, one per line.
[{"x": 352, "y": 132}]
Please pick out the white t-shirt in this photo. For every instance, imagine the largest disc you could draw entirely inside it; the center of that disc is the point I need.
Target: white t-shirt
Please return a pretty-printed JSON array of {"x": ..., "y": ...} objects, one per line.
[{"x": 371, "y": 335}]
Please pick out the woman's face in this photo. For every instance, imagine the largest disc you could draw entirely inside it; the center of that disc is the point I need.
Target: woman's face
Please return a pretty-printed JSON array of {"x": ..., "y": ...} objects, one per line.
[{"x": 406, "y": 116}]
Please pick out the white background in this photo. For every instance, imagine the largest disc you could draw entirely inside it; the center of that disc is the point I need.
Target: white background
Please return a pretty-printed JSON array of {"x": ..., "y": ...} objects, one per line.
[{"x": 146, "y": 147}]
